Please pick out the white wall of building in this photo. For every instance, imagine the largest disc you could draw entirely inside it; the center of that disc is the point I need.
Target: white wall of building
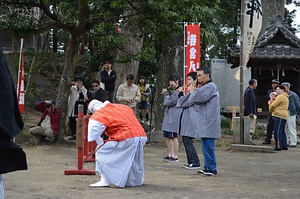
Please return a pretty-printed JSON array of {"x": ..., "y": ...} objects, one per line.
[{"x": 229, "y": 87}]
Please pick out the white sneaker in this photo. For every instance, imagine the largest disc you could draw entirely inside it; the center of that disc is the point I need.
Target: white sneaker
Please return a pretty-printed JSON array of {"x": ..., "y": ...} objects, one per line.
[
  {"x": 142, "y": 121},
  {"x": 148, "y": 123},
  {"x": 99, "y": 184}
]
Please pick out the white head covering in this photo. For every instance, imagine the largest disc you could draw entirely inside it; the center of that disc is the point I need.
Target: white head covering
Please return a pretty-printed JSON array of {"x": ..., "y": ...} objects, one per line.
[
  {"x": 95, "y": 105},
  {"x": 273, "y": 93}
]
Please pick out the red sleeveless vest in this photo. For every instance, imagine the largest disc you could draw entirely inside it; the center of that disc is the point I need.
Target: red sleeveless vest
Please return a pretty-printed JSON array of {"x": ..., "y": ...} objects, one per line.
[{"x": 120, "y": 122}]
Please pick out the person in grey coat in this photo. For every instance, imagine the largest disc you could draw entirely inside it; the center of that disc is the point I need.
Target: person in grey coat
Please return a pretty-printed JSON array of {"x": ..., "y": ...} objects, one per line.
[
  {"x": 170, "y": 125},
  {"x": 203, "y": 119},
  {"x": 188, "y": 137},
  {"x": 294, "y": 106}
]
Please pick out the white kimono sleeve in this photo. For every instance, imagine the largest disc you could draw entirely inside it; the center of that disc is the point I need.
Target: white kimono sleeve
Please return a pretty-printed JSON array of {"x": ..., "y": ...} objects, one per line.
[{"x": 95, "y": 130}]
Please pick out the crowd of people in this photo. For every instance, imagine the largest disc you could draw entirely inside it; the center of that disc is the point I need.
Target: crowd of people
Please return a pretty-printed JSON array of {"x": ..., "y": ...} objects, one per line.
[
  {"x": 196, "y": 114},
  {"x": 192, "y": 112},
  {"x": 283, "y": 107},
  {"x": 193, "y": 115}
]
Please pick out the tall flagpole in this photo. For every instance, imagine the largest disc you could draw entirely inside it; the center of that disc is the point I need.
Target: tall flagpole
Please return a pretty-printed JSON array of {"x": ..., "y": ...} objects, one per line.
[
  {"x": 251, "y": 22},
  {"x": 184, "y": 58},
  {"x": 20, "y": 85},
  {"x": 19, "y": 71},
  {"x": 242, "y": 73}
]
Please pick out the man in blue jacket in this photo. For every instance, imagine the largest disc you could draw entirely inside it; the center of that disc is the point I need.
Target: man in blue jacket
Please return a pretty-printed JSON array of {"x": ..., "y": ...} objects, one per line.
[{"x": 250, "y": 105}]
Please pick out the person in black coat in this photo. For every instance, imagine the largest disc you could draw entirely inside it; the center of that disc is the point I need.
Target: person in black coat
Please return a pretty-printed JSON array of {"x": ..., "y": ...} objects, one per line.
[
  {"x": 250, "y": 105},
  {"x": 108, "y": 78},
  {"x": 12, "y": 157},
  {"x": 99, "y": 93}
]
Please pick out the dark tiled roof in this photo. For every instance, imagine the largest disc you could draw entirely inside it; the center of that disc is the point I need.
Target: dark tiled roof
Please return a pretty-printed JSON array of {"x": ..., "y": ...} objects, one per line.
[{"x": 276, "y": 42}]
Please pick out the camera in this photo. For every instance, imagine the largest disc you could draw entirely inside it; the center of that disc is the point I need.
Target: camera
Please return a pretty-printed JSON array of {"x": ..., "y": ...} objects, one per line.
[
  {"x": 48, "y": 104},
  {"x": 152, "y": 87}
]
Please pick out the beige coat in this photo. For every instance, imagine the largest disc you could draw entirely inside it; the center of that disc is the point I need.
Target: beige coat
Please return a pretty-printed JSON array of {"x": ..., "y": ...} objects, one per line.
[{"x": 128, "y": 92}]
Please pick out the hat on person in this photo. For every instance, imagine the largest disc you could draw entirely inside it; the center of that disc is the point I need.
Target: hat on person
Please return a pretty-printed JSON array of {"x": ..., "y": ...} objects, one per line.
[
  {"x": 286, "y": 84},
  {"x": 95, "y": 105},
  {"x": 273, "y": 93},
  {"x": 79, "y": 78},
  {"x": 275, "y": 81}
]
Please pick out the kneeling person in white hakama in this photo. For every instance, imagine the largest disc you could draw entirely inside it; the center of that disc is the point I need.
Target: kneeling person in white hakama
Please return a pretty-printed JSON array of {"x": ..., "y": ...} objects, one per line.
[{"x": 120, "y": 159}]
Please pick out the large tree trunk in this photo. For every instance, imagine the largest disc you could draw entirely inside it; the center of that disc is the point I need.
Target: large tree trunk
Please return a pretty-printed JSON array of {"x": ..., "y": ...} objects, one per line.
[
  {"x": 65, "y": 81},
  {"x": 69, "y": 68},
  {"x": 132, "y": 46},
  {"x": 271, "y": 8},
  {"x": 170, "y": 61}
]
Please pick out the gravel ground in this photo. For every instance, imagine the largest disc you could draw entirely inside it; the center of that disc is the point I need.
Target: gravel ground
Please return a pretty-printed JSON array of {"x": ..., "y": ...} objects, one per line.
[{"x": 240, "y": 175}]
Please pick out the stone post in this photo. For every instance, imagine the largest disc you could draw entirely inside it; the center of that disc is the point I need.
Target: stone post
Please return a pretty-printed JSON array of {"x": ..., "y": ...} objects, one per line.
[{"x": 236, "y": 130}]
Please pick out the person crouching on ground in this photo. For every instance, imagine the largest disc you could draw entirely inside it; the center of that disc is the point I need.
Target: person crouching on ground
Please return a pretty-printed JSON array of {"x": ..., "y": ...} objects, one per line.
[
  {"x": 120, "y": 159},
  {"x": 48, "y": 127}
]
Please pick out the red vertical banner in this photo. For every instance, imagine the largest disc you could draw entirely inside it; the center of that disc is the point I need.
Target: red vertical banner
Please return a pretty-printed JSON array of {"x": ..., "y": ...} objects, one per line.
[
  {"x": 192, "y": 49},
  {"x": 20, "y": 86}
]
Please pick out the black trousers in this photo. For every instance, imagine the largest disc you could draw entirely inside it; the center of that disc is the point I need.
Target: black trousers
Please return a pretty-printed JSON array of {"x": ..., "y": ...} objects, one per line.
[
  {"x": 72, "y": 123},
  {"x": 270, "y": 128}
]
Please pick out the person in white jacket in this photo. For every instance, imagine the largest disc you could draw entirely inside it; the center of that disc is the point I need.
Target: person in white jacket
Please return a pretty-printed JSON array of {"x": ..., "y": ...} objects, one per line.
[{"x": 78, "y": 93}]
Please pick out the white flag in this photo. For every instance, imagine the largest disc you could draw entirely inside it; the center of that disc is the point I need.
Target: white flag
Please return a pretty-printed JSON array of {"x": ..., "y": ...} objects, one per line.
[{"x": 251, "y": 27}]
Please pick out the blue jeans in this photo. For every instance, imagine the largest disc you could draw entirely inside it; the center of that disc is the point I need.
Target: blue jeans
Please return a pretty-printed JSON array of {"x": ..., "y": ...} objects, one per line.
[
  {"x": 190, "y": 150},
  {"x": 1, "y": 187},
  {"x": 279, "y": 133},
  {"x": 208, "y": 151}
]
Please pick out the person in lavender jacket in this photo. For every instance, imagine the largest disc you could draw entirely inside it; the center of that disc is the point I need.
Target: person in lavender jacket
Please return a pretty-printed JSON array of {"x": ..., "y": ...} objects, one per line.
[{"x": 203, "y": 117}]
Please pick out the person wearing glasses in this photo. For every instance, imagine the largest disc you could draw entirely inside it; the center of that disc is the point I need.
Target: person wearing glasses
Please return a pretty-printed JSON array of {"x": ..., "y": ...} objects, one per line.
[
  {"x": 203, "y": 117},
  {"x": 98, "y": 93}
]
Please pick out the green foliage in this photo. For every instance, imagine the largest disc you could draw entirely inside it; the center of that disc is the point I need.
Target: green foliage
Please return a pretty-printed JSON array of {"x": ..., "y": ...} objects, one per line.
[
  {"x": 259, "y": 133},
  {"x": 225, "y": 122},
  {"x": 17, "y": 21},
  {"x": 227, "y": 132},
  {"x": 227, "y": 32}
]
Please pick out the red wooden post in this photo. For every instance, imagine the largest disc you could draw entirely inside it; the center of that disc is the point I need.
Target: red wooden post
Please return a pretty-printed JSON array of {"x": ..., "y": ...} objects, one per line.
[{"x": 80, "y": 145}]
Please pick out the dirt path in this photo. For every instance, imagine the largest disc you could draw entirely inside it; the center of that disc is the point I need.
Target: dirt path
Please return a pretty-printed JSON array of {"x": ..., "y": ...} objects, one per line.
[{"x": 241, "y": 175}]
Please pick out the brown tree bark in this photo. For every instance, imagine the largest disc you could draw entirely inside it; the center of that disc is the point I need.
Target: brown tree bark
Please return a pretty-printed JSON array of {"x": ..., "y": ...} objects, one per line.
[
  {"x": 65, "y": 81},
  {"x": 170, "y": 61},
  {"x": 271, "y": 8},
  {"x": 133, "y": 44},
  {"x": 69, "y": 67}
]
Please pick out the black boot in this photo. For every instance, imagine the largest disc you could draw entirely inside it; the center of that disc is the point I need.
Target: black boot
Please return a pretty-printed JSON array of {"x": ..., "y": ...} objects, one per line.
[{"x": 267, "y": 141}]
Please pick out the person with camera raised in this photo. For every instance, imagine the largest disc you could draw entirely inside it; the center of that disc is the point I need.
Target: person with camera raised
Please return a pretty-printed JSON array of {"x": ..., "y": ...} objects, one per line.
[
  {"x": 47, "y": 128},
  {"x": 78, "y": 95}
]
